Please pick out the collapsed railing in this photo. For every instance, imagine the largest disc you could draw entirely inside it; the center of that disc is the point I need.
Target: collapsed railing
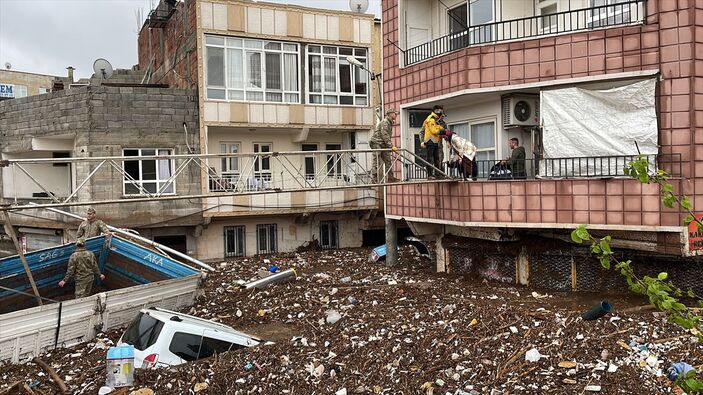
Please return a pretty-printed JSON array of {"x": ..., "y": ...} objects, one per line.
[{"x": 257, "y": 173}]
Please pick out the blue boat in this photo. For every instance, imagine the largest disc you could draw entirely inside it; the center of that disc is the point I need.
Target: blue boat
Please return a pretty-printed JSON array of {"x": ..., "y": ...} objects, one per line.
[{"x": 124, "y": 263}]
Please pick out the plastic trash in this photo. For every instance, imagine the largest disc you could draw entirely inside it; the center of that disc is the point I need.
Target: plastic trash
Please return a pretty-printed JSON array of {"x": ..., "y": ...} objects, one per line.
[
  {"x": 273, "y": 268},
  {"x": 248, "y": 366},
  {"x": 533, "y": 355},
  {"x": 333, "y": 316},
  {"x": 352, "y": 300},
  {"x": 597, "y": 311},
  {"x": 345, "y": 280},
  {"x": 378, "y": 253},
  {"x": 678, "y": 369},
  {"x": 120, "y": 366},
  {"x": 104, "y": 390},
  {"x": 278, "y": 278}
]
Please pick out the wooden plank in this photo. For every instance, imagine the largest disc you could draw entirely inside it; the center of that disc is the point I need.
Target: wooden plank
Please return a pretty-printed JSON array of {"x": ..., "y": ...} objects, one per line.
[{"x": 11, "y": 231}]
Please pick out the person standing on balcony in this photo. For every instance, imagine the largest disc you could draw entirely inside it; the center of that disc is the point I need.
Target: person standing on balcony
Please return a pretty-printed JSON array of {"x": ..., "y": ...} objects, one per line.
[
  {"x": 84, "y": 268},
  {"x": 381, "y": 139},
  {"x": 432, "y": 126},
  {"x": 465, "y": 150},
  {"x": 92, "y": 227},
  {"x": 516, "y": 162}
]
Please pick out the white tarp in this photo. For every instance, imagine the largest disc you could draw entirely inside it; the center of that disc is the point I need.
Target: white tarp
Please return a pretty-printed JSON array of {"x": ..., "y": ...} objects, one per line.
[{"x": 595, "y": 123}]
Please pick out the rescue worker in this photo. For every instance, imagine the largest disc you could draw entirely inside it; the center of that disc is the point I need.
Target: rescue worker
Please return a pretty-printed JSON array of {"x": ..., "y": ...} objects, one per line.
[
  {"x": 381, "y": 139},
  {"x": 432, "y": 126},
  {"x": 83, "y": 267},
  {"x": 92, "y": 227}
]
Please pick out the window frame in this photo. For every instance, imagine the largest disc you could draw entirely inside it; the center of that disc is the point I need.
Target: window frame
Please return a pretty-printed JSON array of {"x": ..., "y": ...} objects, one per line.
[
  {"x": 245, "y": 69},
  {"x": 306, "y": 147},
  {"x": 335, "y": 172},
  {"x": 259, "y": 174},
  {"x": 271, "y": 243},
  {"x": 541, "y": 5},
  {"x": 595, "y": 17},
  {"x": 242, "y": 247},
  {"x": 226, "y": 163},
  {"x": 333, "y": 234},
  {"x": 337, "y": 93},
  {"x": 478, "y": 28},
  {"x": 158, "y": 181}
]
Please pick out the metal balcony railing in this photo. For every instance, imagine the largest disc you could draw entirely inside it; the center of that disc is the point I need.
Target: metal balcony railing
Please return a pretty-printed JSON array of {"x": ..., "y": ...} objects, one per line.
[
  {"x": 552, "y": 168},
  {"x": 616, "y": 14}
]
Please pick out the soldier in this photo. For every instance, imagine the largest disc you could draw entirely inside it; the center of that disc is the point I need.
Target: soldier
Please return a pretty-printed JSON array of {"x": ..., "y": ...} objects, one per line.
[
  {"x": 92, "y": 227},
  {"x": 82, "y": 265},
  {"x": 382, "y": 139}
]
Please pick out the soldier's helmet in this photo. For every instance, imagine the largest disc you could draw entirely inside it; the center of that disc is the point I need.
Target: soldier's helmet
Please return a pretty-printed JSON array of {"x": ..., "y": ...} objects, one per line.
[
  {"x": 80, "y": 242},
  {"x": 91, "y": 210}
]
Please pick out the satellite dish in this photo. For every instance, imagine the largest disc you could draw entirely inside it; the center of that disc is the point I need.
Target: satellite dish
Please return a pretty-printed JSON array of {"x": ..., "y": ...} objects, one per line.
[
  {"x": 359, "y": 6},
  {"x": 8, "y": 65},
  {"x": 103, "y": 68}
]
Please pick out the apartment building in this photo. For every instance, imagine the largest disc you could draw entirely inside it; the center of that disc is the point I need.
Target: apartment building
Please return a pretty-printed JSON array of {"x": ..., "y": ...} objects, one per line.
[
  {"x": 585, "y": 86},
  {"x": 17, "y": 84},
  {"x": 272, "y": 78}
]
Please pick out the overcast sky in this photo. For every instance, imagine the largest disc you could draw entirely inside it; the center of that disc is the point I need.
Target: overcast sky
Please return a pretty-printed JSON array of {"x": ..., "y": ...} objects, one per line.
[{"x": 46, "y": 36}]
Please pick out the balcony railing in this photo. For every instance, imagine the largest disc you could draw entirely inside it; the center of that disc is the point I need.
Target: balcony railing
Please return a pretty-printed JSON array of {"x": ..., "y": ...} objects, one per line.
[
  {"x": 552, "y": 168},
  {"x": 534, "y": 26}
]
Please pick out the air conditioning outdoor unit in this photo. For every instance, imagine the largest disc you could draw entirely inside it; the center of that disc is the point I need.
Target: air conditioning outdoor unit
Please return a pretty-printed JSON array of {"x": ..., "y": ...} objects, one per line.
[{"x": 520, "y": 110}]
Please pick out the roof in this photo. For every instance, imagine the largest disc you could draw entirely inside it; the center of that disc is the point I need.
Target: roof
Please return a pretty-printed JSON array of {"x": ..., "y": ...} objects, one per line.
[{"x": 166, "y": 315}]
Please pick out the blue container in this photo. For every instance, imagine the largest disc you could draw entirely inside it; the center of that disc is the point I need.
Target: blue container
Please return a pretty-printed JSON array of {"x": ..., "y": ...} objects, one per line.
[
  {"x": 120, "y": 366},
  {"x": 597, "y": 311}
]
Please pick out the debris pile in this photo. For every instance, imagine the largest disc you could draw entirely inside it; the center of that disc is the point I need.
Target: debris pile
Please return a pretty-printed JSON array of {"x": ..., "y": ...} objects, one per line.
[{"x": 349, "y": 326}]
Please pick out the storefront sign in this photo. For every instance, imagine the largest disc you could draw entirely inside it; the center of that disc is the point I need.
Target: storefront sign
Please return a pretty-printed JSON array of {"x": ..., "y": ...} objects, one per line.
[
  {"x": 695, "y": 235},
  {"x": 7, "y": 90}
]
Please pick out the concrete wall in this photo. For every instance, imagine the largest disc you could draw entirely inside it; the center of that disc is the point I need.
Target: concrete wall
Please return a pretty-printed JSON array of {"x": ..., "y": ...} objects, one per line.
[
  {"x": 29, "y": 80},
  {"x": 290, "y": 235}
]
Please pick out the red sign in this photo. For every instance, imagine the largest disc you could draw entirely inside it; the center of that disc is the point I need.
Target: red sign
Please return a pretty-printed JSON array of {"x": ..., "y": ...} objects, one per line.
[{"x": 695, "y": 235}]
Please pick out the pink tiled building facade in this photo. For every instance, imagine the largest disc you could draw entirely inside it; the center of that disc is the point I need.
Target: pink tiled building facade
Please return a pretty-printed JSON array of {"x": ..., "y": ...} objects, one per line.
[{"x": 479, "y": 59}]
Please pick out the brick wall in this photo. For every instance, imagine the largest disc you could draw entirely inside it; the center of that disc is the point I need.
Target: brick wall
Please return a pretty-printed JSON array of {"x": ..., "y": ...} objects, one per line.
[
  {"x": 172, "y": 48},
  {"x": 105, "y": 120},
  {"x": 670, "y": 40}
]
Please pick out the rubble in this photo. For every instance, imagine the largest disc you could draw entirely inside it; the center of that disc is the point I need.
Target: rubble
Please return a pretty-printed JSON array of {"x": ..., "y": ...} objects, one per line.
[{"x": 410, "y": 332}]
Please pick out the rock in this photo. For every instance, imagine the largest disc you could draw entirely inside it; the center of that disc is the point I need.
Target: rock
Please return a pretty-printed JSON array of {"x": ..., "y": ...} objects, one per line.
[{"x": 200, "y": 387}]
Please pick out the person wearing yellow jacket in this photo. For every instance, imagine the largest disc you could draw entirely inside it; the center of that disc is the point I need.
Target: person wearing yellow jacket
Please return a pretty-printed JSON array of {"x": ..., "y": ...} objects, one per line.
[{"x": 432, "y": 126}]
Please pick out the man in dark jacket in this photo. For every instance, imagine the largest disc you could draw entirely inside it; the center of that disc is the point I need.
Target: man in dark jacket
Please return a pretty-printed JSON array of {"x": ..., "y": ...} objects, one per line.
[
  {"x": 516, "y": 162},
  {"x": 84, "y": 268}
]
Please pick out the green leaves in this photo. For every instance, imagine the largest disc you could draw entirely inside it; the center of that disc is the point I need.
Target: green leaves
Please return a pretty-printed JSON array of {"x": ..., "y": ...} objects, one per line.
[
  {"x": 580, "y": 234},
  {"x": 685, "y": 202},
  {"x": 662, "y": 276},
  {"x": 689, "y": 218}
]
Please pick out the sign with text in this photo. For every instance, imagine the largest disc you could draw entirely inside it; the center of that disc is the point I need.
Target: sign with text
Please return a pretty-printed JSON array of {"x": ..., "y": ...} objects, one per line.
[
  {"x": 7, "y": 90},
  {"x": 695, "y": 235}
]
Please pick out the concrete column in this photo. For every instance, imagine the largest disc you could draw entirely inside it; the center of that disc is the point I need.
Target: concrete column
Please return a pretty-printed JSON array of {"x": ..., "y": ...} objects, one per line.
[
  {"x": 391, "y": 242},
  {"x": 441, "y": 255}
]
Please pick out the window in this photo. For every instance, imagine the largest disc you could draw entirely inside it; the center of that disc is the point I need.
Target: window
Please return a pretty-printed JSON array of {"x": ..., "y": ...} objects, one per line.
[
  {"x": 143, "y": 331},
  {"x": 329, "y": 235},
  {"x": 458, "y": 23},
  {"x": 334, "y": 161},
  {"x": 212, "y": 346},
  {"x": 352, "y": 140},
  {"x": 60, "y": 155},
  {"x": 235, "y": 241},
  {"x": 548, "y": 22},
  {"x": 609, "y": 12},
  {"x": 43, "y": 90},
  {"x": 333, "y": 80},
  {"x": 230, "y": 166},
  {"x": 150, "y": 175},
  {"x": 482, "y": 135},
  {"x": 309, "y": 161},
  {"x": 266, "y": 238},
  {"x": 262, "y": 164},
  {"x": 185, "y": 345},
  {"x": 252, "y": 70},
  {"x": 480, "y": 13}
]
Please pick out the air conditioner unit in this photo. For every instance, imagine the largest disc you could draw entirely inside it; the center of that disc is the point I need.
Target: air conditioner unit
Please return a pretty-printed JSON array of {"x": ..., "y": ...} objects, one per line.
[{"x": 520, "y": 110}]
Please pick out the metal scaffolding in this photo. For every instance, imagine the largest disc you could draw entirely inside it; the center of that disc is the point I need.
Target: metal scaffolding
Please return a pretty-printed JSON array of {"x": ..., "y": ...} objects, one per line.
[{"x": 221, "y": 175}]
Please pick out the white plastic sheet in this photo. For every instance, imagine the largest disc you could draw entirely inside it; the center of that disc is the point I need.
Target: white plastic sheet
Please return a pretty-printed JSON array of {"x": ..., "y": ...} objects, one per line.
[{"x": 596, "y": 123}]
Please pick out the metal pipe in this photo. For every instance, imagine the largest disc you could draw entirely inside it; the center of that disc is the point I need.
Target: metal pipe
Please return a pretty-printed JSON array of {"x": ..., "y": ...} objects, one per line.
[
  {"x": 277, "y": 278},
  {"x": 136, "y": 237}
]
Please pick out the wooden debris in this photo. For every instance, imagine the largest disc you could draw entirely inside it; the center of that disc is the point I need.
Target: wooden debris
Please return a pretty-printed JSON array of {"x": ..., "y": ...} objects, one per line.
[{"x": 55, "y": 377}]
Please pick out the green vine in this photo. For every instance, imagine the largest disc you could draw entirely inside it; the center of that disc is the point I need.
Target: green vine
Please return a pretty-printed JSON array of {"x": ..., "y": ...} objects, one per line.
[{"x": 662, "y": 294}]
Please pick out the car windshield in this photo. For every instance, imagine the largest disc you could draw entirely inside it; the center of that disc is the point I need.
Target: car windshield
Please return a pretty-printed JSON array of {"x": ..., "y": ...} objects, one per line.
[{"x": 143, "y": 331}]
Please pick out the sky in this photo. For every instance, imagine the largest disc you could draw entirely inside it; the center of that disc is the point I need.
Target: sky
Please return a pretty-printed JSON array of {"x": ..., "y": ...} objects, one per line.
[{"x": 46, "y": 36}]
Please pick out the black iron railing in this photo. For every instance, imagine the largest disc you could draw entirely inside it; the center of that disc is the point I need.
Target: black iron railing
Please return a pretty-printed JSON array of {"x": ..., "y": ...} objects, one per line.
[
  {"x": 554, "y": 168},
  {"x": 534, "y": 26}
]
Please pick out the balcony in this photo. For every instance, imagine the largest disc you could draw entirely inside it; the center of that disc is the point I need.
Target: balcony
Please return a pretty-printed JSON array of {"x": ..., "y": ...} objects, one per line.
[
  {"x": 583, "y": 19},
  {"x": 552, "y": 168}
]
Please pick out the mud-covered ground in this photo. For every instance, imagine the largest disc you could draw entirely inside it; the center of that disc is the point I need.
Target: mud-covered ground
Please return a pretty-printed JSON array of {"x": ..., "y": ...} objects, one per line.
[{"x": 403, "y": 330}]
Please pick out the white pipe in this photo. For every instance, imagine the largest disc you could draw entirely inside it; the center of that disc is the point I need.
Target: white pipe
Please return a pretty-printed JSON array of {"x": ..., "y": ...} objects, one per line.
[{"x": 137, "y": 237}]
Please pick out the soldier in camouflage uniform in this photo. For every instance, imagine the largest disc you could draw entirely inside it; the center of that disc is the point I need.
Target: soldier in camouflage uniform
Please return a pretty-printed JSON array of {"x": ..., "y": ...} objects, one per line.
[
  {"x": 83, "y": 266},
  {"x": 382, "y": 139},
  {"x": 92, "y": 227}
]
